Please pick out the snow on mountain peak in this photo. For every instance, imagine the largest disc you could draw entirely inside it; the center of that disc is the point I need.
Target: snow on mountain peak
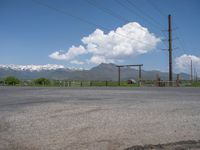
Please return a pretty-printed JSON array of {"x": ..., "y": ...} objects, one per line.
[{"x": 32, "y": 67}]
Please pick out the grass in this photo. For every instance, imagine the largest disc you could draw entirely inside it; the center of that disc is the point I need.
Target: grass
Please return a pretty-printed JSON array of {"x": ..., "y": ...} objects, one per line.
[
  {"x": 79, "y": 83},
  {"x": 195, "y": 84}
]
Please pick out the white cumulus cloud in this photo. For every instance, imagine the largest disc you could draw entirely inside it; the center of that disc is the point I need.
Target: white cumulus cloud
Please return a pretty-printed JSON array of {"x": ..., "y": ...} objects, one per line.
[
  {"x": 100, "y": 59},
  {"x": 77, "y": 62},
  {"x": 129, "y": 40},
  {"x": 183, "y": 62},
  {"x": 70, "y": 54}
]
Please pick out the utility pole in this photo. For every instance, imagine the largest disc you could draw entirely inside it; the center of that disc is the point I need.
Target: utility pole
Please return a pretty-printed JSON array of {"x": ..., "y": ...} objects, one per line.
[
  {"x": 119, "y": 75},
  {"x": 191, "y": 71},
  {"x": 170, "y": 47},
  {"x": 140, "y": 75}
]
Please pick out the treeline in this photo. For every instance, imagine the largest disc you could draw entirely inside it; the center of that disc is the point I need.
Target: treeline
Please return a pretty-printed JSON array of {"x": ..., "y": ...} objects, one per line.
[{"x": 11, "y": 80}]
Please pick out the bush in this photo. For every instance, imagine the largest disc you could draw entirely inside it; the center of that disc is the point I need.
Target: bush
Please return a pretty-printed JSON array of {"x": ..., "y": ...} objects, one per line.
[
  {"x": 1, "y": 82},
  {"x": 11, "y": 80},
  {"x": 42, "y": 81}
]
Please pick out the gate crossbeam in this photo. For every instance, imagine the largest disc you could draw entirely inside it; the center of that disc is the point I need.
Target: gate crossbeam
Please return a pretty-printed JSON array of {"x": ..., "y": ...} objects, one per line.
[{"x": 119, "y": 71}]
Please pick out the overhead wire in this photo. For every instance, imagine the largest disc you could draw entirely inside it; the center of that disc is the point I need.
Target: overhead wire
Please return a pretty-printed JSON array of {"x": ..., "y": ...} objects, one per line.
[
  {"x": 144, "y": 13},
  {"x": 113, "y": 14},
  {"x": 110, "y": 12},
  {"x": 84, "y": 20},
  {"x": 107, "y": 10},
  {"x": 181, "y": 40},
  {"x": 123, "y": 5},
  {"x": 155, "y": 24},
  {"x": 163, "y": 14},
  {"x": 156, "y": 8}
]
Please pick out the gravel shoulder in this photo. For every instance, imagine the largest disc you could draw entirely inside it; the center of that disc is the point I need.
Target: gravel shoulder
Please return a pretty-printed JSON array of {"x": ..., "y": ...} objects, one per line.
[{"x": 99, "y": 118}]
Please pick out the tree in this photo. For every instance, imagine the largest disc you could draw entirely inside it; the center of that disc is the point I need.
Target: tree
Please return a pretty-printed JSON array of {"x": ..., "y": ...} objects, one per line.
[
  {"x": 11, "y": 80},
  {"x": 42, "y": 81}
]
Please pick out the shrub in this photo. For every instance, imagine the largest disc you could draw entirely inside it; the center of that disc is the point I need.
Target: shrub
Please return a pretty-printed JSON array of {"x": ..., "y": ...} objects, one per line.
[
  {"x": 11, "y": 80},
  {"x": 42, "y": 81}
]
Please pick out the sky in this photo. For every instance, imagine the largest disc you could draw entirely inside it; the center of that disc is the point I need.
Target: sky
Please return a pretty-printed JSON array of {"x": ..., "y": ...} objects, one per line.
[{"x": 85, "y": 33}]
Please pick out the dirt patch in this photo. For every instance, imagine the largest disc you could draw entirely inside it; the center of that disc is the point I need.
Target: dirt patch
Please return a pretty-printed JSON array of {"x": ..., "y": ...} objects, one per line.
[
  {"x": 13, "y": 145},
  {"x": 182, "y": 145},
  {"x": 4, "y": 126}
]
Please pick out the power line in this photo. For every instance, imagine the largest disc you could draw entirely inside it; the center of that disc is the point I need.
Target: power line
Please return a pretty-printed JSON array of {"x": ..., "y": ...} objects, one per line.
[
  {"x": 163, "y": 14},
  {"x": 84, "y": 20},
  {"x": 129, "y": 9},
  {"x": 181, "y": 38},
  {"x": 108, "y": 11},
  {"x": 136, "y": 13},
  {"x": 139, "y": 15},
  {"x": 148, "y": 16},
  {"x": 67, "y": 13},
  {"x": 179, "y": 41},
  {"x": 145, "y": 14},
  {"x": 157, "y": 8}
]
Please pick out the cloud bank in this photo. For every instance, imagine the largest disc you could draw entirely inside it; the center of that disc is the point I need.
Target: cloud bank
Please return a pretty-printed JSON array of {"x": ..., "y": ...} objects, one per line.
[
  {"x": 129, "y": 40},
  {"x": 183, "y": 62}
]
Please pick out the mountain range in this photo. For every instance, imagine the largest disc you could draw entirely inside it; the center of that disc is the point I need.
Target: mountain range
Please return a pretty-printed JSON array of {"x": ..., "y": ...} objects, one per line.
[{"x": 101, "y": 72}]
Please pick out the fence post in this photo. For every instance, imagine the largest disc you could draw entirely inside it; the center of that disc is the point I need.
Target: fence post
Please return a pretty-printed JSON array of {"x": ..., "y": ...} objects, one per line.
[
  {"x": 81, "y": 83},
  {"x": 106, "y": 83},
  {"x": 177, "y": 80},
  {"x": 90, "y": 83}
]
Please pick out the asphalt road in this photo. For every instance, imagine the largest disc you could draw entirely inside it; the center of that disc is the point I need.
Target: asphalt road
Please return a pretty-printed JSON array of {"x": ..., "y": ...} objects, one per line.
[{"x": 97, "y": 118}]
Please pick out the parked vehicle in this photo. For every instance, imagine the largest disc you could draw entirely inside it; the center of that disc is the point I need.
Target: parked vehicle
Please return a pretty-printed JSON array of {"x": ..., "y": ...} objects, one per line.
[{"x": 131, "y": 81}]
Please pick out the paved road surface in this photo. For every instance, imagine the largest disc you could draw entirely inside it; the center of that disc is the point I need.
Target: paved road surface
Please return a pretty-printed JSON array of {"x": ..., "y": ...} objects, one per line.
[{"x": 96, "y": 118}]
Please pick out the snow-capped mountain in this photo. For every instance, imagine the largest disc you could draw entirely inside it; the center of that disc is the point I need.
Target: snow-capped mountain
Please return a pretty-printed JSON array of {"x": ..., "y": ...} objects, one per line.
[
  {"x": 32, "y": 67},
  {"x": 100, "y": 72}
]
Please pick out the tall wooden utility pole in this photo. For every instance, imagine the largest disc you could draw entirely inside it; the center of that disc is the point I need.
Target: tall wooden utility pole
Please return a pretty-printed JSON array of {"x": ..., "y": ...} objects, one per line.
[{"x": 170, "y": 47}]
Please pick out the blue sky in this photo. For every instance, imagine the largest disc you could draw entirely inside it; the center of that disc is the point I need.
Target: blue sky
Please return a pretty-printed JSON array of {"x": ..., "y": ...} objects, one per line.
[{"x": 30, "y": 32}]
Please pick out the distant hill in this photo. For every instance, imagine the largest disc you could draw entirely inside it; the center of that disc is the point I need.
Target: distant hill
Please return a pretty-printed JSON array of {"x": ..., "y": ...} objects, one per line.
[{"x": 100, "y": 72}]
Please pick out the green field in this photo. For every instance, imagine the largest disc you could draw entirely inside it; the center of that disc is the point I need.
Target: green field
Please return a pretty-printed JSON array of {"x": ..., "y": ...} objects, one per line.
[{"x": 43, "y": 82}]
